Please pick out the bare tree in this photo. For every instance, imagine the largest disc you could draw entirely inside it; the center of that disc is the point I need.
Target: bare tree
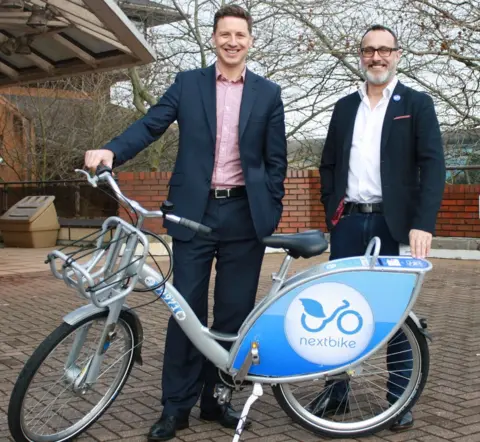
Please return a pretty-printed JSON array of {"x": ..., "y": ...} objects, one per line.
[
  {"x": 68, "y": 117},
  {"x": 311, "y": 49},
  {"x": 444, "y": 47}
]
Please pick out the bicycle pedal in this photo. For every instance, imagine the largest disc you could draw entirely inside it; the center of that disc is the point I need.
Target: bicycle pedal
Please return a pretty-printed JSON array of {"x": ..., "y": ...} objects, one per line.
[{"x": 222, "y": 393}]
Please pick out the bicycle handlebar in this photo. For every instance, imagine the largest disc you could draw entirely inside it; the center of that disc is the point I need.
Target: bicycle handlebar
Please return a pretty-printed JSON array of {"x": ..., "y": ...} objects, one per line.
[{"x": 104, "y": 173}]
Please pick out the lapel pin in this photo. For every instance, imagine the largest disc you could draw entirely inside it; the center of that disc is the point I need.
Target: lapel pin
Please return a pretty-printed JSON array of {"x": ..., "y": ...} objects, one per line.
[{"x": 396, "y": 98}]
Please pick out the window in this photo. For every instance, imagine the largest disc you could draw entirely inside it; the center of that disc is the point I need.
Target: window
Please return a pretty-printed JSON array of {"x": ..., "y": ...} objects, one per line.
[{"x": 18, "y": 125}]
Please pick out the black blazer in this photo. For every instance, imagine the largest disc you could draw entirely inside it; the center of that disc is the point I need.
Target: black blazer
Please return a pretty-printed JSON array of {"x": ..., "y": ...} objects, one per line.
[
  {"x": 191, "y": 101},
  {"x": 412, "y": 161}
]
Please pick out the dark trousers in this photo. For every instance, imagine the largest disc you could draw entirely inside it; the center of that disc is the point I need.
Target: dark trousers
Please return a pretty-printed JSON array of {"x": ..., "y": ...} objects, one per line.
[
  {"x": 350, "y": 238},
  {"x": 239, "y": 255}
]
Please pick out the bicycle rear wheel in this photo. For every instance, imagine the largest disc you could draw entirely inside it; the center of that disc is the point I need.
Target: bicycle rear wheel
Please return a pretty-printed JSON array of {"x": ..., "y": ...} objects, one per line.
[
  {"x": 45, "y": 406},
  {"x": 364, "y": 407}
]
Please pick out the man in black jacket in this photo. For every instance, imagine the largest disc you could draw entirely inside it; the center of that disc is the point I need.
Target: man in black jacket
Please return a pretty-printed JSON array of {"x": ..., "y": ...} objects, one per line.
[
  {"x": 229, "y": 175},
  {"x": 382, "y": 174}
]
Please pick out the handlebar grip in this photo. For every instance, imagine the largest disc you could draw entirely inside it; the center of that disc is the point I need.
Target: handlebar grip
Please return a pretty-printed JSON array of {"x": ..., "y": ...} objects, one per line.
[
  {"x": 101, "y": 168},
  {"x": 197, "y": 227}
]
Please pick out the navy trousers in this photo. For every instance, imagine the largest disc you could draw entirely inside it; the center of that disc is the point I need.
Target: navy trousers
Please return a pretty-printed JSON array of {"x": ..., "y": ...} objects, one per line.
[
  {"x": 350, "y": 237},
  {"x": 187, "y": 375}
]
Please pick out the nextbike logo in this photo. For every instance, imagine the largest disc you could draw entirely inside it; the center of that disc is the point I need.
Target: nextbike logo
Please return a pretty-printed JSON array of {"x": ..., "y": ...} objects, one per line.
[
  {"x": 329, "y": 323},
  {"x": 169, "y": 300}
]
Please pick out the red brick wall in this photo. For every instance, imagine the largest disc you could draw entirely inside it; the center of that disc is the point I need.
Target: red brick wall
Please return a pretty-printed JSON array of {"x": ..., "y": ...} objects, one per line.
[{"x": 459, "y": 214}]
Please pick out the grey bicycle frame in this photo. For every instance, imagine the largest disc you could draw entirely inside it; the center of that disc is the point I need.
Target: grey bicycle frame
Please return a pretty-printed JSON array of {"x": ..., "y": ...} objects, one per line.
[{"x": 202, "y": 337}]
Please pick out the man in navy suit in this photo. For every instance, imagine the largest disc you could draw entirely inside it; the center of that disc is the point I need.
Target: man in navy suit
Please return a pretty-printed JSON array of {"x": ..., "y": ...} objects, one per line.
[
  {"x": 382, "y": 174},
  {"x": 229, "y": 175}
]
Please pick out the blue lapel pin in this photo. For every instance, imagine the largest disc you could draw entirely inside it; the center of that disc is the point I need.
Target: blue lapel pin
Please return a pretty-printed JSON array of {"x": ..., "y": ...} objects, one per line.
[{"x": 396, "y": 98}]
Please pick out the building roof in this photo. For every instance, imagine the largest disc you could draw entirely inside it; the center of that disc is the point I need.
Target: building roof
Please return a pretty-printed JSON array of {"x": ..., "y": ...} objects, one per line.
[
  {"x": 148, "y": 12},
  {"x": 71, "y": 37}
]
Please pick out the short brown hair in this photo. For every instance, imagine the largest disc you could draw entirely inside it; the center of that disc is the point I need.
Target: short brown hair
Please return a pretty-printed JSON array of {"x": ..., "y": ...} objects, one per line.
[{"x": 233, "y": 11}]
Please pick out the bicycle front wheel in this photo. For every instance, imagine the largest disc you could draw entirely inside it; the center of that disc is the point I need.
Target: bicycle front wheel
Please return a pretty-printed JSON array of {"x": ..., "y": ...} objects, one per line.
[
  {"x": 45, "y": 405},
  {"x": 368, "y": 398}
]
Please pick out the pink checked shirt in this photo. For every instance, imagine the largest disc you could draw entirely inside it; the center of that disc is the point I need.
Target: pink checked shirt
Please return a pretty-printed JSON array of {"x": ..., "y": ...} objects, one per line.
[{"x": 227, "y": 170}]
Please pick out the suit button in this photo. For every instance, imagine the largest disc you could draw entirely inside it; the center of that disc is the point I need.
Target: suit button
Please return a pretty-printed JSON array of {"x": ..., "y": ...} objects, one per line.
[{"x": 208, "y": 180}]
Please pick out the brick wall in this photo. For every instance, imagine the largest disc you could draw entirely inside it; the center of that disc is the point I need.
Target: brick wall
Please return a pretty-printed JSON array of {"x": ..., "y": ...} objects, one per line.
[{"x": 458, "y": 216}]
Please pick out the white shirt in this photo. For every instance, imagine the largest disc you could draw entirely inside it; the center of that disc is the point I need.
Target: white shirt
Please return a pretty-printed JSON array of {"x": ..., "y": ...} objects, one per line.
[{"x": 364, "y": 181}]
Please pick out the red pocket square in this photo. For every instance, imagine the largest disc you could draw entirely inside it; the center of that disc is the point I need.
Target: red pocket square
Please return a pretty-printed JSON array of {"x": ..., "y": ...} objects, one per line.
[{"x": 401, "y": 117}]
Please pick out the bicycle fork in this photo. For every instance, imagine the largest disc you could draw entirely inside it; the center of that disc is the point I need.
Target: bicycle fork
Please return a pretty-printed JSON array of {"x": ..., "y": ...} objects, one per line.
[{"x": 82, "y": 378}]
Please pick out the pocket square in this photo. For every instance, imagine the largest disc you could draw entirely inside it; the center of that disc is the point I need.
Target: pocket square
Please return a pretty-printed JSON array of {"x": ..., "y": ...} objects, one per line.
[{"x": 401, "y": 117}]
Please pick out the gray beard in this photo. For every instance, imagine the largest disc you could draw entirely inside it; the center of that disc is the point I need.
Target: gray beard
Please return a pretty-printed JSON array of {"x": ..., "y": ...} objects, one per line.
[{"x": 378, "y": 79}]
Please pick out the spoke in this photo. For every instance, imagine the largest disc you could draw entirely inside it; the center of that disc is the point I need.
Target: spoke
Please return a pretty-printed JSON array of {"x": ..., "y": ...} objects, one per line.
[
  {"x": 42, "y": 414},
  {"x": 381, "y": 388},
  {"x": 384, "y": 356}
]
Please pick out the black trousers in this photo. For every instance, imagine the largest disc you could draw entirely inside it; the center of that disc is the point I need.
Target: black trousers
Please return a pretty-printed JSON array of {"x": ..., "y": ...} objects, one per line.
[
  {"x": 350, "y": 238},
  {"x": 239, "y": 256}
]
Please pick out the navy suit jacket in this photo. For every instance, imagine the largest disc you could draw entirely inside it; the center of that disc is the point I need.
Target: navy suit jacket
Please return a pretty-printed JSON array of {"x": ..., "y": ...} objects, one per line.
[
  {"x": 412, "y": 164},
  {"x": 191, "y": 101}
]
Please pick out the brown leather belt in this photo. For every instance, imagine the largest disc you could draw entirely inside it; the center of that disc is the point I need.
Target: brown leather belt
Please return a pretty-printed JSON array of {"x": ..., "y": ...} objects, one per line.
[{"x": 228, "y": 193}]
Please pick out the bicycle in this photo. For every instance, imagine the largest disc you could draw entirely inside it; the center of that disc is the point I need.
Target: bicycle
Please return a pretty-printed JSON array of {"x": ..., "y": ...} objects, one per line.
[{"x": 274, "y": 346}]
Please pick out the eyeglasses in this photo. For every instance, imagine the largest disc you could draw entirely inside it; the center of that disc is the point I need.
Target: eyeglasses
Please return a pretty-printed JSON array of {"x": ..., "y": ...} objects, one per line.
[{"x": 382, "y": 51}]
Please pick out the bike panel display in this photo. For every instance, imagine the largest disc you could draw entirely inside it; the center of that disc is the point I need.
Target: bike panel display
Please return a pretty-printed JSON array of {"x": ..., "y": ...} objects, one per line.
[{"x": 332, "y": 320}]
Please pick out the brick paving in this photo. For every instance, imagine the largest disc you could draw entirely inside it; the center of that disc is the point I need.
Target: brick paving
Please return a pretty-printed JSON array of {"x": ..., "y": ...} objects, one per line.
[{"x": 32, "y": 305}]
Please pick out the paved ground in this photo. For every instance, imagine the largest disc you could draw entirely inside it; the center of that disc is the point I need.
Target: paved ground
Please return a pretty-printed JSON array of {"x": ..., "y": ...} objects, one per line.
[{"x": 32, "y": 304}]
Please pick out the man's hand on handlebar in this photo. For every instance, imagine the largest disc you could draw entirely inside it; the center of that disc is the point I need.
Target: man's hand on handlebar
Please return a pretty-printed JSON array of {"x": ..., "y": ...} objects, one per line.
[
  {"x": 101, "y": 161},
  {"x": 93, "y": 158}
]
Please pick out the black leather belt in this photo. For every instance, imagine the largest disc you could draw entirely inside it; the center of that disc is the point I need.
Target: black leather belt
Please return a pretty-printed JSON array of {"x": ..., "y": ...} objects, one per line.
[
  {"x": 228, "y": 193},
  {"x": 363, "y": 208}
]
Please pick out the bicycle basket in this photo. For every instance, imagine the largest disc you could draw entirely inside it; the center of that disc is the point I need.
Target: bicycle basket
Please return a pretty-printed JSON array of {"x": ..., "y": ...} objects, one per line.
[{"x": 107, "y": 270}]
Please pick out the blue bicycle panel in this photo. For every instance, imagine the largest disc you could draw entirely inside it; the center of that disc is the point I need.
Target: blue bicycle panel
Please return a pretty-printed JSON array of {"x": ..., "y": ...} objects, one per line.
[{"x": 329, "y": 322}]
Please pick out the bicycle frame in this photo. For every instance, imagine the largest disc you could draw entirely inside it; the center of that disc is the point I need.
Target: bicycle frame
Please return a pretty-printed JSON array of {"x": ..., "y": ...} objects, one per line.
[{"x": 206, "y": 340}]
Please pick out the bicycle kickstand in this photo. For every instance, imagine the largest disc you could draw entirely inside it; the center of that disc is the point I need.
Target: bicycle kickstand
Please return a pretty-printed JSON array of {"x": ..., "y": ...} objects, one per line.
[{"x": 256, "y": 393}]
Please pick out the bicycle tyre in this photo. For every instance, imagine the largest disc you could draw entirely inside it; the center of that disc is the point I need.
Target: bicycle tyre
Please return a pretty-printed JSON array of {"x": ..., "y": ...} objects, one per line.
[
  {"x": 292, "y": 410},
  {"x": 38, "y": 358}
]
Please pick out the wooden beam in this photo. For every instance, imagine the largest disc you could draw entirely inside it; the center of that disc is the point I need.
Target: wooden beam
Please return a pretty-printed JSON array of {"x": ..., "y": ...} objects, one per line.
[
  {"x": 75, "y": 68},
  {"x": 115, "y": 19},
  {"x": 34, "y": 58},
  {"x": 92, "y": 27},
  {"x": 15, "y": 22},
  {"x": 14, "y": 14},
  {"x": 71, "y": 8},
  {"x": 43, "y": 64},
  {"x": 8, "y": 71},
  {"x": 79, "y": 52},
  {"x": 77, "y": 21},
  {"x": 108, "y": 40}
]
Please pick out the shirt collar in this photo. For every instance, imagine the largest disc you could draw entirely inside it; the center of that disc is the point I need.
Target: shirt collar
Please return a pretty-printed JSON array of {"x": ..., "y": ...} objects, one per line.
[
  {"x": 219, "y": 75},
  {"x": 387, "y": 92}
]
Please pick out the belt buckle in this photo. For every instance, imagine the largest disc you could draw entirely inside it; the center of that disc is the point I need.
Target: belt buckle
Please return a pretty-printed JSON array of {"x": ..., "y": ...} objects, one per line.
[
  {"x": 217, "y": 196},
  {"x": 367, "y": 208}
]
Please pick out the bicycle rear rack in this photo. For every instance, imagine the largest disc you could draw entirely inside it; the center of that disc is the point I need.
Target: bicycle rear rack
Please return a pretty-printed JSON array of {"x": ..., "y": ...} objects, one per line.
[{"x": 111, "y": 271}]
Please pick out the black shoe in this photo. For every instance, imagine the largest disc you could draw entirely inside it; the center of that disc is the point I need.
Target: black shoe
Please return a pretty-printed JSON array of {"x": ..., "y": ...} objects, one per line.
[
  {"x": 225, "y": 415},
  {"x": 165, "y": 428},
  {"x": 324, "y": 405},
  {"x": 404, "y": 423}
]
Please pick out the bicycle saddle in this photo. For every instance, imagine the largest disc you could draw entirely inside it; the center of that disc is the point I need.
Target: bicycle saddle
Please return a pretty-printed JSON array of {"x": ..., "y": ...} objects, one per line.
[{"x": 305, "y": 244}]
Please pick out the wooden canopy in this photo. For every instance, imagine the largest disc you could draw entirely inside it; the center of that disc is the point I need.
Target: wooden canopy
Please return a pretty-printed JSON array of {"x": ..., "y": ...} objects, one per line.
[{"x": 44, "y": 40}]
